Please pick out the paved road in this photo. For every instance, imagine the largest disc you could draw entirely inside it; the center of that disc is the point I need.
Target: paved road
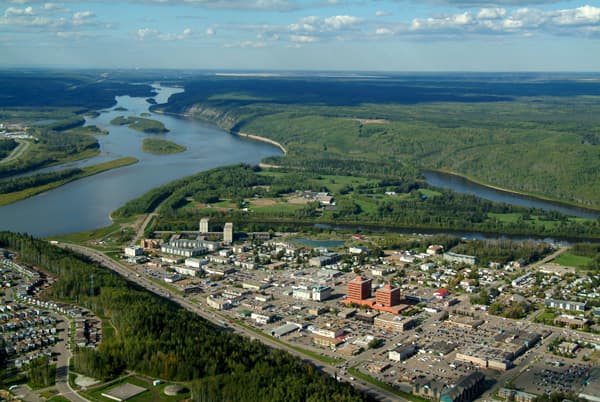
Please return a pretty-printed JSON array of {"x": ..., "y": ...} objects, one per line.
[
  {"x": 62, "y": 364},
  {"x": 211, "y": 315}
]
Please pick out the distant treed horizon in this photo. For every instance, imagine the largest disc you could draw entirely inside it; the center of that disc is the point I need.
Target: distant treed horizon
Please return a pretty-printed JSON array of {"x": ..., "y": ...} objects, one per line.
[{"x": 385, "y": 35}]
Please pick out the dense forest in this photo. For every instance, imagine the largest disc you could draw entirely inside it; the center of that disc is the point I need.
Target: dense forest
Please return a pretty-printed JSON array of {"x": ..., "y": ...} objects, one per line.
[
  {"x": 359, "y": 204},
  {"x": 503, "y": 251},
  {"x": 6, "y": 147},
  {"x": 526, "y": 133},
  {"x": 156, "y": 337}
]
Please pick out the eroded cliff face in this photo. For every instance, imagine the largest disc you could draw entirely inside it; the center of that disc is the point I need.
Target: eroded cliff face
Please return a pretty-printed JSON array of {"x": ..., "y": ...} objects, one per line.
[{"x": 223, "y": 118}]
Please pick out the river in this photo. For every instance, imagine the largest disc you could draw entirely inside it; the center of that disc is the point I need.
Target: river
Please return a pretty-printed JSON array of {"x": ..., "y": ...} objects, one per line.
[
  {"x": 461, "y": 185},
  {"x": 86, "y": 204}
]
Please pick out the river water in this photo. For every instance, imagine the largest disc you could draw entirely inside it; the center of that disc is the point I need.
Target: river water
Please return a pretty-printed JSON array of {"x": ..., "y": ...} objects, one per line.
[
  {"x": 86, "y": 204},
  {"x": 461, "y": 185}
]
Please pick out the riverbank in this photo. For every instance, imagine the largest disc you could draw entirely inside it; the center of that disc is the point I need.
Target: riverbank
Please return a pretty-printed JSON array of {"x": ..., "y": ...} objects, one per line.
[
  {"x": 262, "y": 139},
  {"x": 524, "y": 194},
  {"x": 9, "y": 198}
]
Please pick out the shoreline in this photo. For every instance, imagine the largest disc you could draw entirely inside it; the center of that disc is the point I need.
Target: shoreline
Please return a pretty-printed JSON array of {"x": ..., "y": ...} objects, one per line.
[
  {"x": 261, "y": 139},
  {"x": 236, "y": 133},
  {"x": 531, "y": 196}
]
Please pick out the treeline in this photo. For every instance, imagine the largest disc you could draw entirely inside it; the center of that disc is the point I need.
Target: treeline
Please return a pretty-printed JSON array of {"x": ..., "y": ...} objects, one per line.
[
  {"x": 157, "y": 338},
  {"x": 22, "y": 183},
  {"x": 591, "y": 250},
  {"x": 503, "y": 251},
  {"x": 51, "y": 147},
  {"x": 6, "y": 147},
  {"x": 346, "y": 167}
]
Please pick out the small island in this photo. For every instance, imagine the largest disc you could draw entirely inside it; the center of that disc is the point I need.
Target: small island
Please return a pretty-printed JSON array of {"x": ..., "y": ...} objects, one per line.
[
  {"x": 148, "y": 126},
  {"x": 157, "y": 146}
]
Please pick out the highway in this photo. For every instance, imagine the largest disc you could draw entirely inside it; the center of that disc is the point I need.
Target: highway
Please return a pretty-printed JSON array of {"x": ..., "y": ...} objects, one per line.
[{"x": 213, "y": 316}]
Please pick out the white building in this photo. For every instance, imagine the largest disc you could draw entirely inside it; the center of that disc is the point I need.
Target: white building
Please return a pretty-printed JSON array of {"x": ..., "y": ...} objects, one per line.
[{"x": 133, "y": 251}]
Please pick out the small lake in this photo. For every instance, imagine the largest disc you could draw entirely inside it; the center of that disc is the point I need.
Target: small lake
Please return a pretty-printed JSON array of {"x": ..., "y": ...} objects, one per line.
[
  {"x": 319, "y": 243},
  {"x": 86, "y": 204},
  {"x": 461, "y": 185}
]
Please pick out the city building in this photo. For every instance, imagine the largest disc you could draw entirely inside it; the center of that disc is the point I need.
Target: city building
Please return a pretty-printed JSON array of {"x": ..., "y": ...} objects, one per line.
[
  {"x": 321, "y": 293},
  {"x": 571, "y": 321},
  {"x": 486, "y": 357},
  {"x": 565, "y": 305},
  {"x": 186, "y": 270},
  {"x": 460, "y": 258},
  {"x": 133, "y": 251},
  {"x": 217, "y": 301},
  {"x": 428, "y": 388},
  {"x": 322, "y": 260},
  {"x": 467, "y": 388},
  {"x": 359, "y": 289},
  {"x": 228, "y": 233},
  {"x": 402, "y": 352},
  {"x": 517, "y": 396},
  {"x": 285, "y": 329},
  {"x": 390, "y": 322},
  {"x": 203, "y": 226},
  {"x": 435, "y": 249},
  {"x": 195, "y": 262},
  {"x": 387, "y": 296}
]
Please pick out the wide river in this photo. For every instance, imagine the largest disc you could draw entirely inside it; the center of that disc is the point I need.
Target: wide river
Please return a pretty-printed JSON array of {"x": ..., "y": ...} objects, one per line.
[{"x": 86, "y": 204}]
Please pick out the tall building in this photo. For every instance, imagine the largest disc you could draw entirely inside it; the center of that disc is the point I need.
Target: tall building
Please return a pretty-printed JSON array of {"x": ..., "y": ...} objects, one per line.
[
  {"x": 387, "y": 296},
  {"x": 359, "y": 289},
  {"x": 203, "y": 225},
  {"x": 228, "y": 233}
]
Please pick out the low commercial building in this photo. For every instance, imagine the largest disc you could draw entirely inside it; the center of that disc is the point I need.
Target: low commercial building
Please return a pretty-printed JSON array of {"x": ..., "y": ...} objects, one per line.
[
  {"x": 285, "y": 329},
  {"x": 326, "y": 341},
  {"x": 402, "y": 352},
  {"x": 195, "y": 262},
  {"x": 516, "y": 396},
  {"x": 321, "y": 293},
  {"x": 467, "y": 388},
  {"x": 217, "y": 301},
  {"x": 390, "y": 322},
  {"x": 486, "y": 357},
  {"x": 328, "y": 332},
  {"x": 571, "y": 321},
  {"x": 565, "y": 305},
  {"x": 322, "y": 260},
  {"x": 133, "y": 251},
  {"x": 460, "y": 258},
  {"x": 261, "y": 318},
  {"x": 186, "y": 270}
]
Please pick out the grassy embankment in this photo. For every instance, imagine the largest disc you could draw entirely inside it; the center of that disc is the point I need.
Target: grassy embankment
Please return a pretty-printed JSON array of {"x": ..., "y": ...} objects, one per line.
[
  {"x": 148, "y": 126},
  {"x": 158, "y": 146},
  {"x": 10, "y": 198}
]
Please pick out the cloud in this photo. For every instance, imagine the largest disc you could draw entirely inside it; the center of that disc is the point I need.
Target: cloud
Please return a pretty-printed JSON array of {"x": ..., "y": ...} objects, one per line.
[
  {"x": 17, "y": 12},
  {"x": 383, "y": 31},
  {"x": 210, "y": 31},
  {"x": 341, "y": 21},
  {"x": 491, "y": 13},
  {"x": 303, "y": 38},
  {"x": 151, "y": 33},
  {"x": 382, "y": 13},
  {"x": 247, "y": 44},
  {"x": 82, "y": 17}
]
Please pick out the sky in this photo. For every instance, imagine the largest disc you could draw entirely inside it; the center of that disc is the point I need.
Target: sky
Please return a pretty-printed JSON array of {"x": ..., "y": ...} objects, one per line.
[{"x": 350, "y": 35}]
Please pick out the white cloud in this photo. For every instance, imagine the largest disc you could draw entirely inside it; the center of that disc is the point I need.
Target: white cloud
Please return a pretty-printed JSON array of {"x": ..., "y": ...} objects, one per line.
[
  {"x": 382, "y": 13},
  {"x": 210, "y": 31},
  {"x": 491, "y": 13},
  {"x": 143, "y": 33},
  {"x": 341, "y": 21},
  {"x": 16, "y": 12},
  {"x": 83, "y": 17},
  {"x": 303, "y": 39},
  {"x": 585, "y": 15},
  {"x": 246, "y": 44},
  {"x": 383, "y": 31}
]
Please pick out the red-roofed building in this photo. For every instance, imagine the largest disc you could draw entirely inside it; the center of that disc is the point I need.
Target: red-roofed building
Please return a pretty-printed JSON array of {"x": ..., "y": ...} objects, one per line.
[{"x": 441, "y": 293}]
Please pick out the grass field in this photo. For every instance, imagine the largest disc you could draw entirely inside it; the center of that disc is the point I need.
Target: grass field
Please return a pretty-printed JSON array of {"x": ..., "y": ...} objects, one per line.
[
  {"x": 571, "y": 260},
  {"x": 152, "y": 393}
]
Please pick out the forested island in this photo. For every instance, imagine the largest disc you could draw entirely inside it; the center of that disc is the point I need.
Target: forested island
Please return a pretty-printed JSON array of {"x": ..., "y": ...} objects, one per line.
[
  {"x": 148, "y": 126},
  {"x": 158, "y": 146}
]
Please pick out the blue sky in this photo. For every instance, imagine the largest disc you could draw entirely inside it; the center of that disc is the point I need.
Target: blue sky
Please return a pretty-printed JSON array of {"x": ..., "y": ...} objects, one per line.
[{"x": 389, "y": 35}]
